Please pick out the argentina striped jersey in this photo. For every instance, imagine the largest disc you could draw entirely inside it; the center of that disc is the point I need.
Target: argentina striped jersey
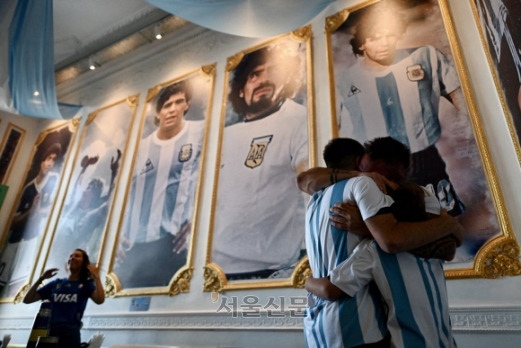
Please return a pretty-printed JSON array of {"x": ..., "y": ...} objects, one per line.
[
  {"x": 401, "y": 100},
  {"x": 413, "y": 288},
  {"x": 163, "y": 185},
  {"x": 351, "y": 321}
]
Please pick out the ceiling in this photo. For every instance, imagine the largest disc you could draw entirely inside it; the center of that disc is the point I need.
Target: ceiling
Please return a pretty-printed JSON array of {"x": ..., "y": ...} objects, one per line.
[{"x": 103, "y": 30}]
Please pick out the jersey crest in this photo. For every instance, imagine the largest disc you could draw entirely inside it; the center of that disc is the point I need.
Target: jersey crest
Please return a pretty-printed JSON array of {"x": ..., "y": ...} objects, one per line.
[
  {"x": 185, "y": 153},
  {"x": 353, "y": 90},
  {"x": 415, "y": 72},
  {"x": 258, "y": 149},
  {"x": 147, "y": 167}
]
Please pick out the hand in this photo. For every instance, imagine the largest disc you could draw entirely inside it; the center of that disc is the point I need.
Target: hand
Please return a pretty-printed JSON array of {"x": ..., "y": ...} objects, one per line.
[
  {"x": 180, "y": 241},
  {"x": 87, "y": 161},
  {"x": 49, "y": 273},
  {"x": 381, "y": 181},
  {"x": 323, "y": 288},
  {"x": 346, "y": 216},
  {"x": 114, "y": 163},
  {"x": 123, "y": 245},
  {"x": 36, "y": 201},
  {"x": 94, "y": 272}
]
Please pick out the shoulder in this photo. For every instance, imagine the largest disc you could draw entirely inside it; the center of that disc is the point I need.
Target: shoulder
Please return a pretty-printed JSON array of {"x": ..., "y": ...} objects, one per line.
[
  {"x": 291, "y": 108},
  {"x": 195, "y": 124}
]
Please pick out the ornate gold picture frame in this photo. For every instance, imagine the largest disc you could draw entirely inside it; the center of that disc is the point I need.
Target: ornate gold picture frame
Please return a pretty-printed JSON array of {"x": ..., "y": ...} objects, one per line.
[
  {"x": 13, "y": 137},
  {"x": 499, "y": 23},
  {"x": 92, "y": 186},
  {"x": 452, "y": 130},
  {"x": 29, "y": 219},
  {"x": 153, "y": 252},
  {"x": 266, "y": 138}
]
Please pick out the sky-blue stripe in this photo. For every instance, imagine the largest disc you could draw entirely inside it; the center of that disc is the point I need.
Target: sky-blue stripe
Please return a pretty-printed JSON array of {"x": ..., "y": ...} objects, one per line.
[{"x": 410, "y": 331}]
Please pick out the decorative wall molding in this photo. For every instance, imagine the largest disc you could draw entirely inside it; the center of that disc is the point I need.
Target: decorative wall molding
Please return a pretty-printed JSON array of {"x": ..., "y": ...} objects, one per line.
[{"x": 484, "y": 319}]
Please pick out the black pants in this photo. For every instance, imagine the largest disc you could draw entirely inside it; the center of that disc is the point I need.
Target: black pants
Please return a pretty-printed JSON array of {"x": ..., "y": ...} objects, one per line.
[
  {"x": 67, "y": 338},
  {"x": 150, "y": 264}
]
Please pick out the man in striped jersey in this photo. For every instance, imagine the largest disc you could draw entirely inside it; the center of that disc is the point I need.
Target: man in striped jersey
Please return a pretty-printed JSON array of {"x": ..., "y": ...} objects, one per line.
[
  {"x": 154, "y": 239},
  {"x": 397, "y": 92},
  {"x": 413, "y": 288},
  {"x": 359, "y": 320}
]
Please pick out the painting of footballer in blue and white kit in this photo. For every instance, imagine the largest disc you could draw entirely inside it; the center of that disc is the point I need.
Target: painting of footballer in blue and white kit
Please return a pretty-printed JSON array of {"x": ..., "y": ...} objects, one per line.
[
  {"x": 27, "y": 227},
  {"x": 153, "y": 243},
  {"x": 394, "y": 75},
  {"x": 258, "y": 227},
  {"x": 90, "y": 193}
]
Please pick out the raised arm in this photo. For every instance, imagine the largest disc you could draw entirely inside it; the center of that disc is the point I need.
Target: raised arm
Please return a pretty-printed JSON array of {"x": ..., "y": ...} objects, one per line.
[
  {"x": 98, "y": 295},
  {"x": 32, "y": 295},
  {"x": 315, "y": 179}
]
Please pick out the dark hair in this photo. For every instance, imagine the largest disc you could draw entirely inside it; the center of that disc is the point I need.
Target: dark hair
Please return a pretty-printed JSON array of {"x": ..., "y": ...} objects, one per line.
[
  {"x": 55, "y": 148},
  {"x": 370, "y": 17},
  {"x": 409, "y": 203},
  {"x": 389, "y": 150},
  {"x": 258, "y": 57},
  {"x": 343, "y": 153},
  {"x": 84, "y": 272},
  {"x": 178, "y": 87}
]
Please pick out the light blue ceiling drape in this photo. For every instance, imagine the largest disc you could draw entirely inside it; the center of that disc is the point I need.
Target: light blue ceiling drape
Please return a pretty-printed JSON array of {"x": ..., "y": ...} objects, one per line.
[
  {"x": 31, "y": 60},
  {"x": 249, "y": 18},
  {"x": 31, "y": 48}
]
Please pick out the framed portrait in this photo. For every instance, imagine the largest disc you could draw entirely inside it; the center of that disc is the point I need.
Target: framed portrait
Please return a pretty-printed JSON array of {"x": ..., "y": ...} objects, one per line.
[
  {"x": 13, "y": 137},
  {"x": 265, "y": 139},
  {"x": 499, "y": 22},
  {"x": 29, "y": 218},
  {"x": 415, "y": 90},
  {"x": 85, "y": 210},
  {"x": 153, "y": 250}
]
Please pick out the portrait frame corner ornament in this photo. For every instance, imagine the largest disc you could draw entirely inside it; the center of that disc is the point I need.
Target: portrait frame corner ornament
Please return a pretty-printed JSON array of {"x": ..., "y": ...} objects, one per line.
[
  {"x": 181, "y": 282},
  {"x": 112, "y": 285},
  {"x": 301, "y": 273},
  {"x": 214, "y": 278}
]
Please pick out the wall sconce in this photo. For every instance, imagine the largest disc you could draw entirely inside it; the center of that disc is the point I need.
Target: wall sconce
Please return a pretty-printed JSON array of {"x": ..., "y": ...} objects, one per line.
[{"x": 157, "y": 32}]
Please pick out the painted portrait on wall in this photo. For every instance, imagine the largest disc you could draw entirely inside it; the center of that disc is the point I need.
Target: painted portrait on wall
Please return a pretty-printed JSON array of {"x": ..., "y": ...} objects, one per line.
[
  {"x": 500, "y": 26},
  {"x": 395, "y": 73},
  {"x": 153, "y": 251},
  {"x": 28, "y": 224},
  {"x": 257, "y": 233},
  {"x": 10, "y": 145},
  {"x": 91, "y": 188}
]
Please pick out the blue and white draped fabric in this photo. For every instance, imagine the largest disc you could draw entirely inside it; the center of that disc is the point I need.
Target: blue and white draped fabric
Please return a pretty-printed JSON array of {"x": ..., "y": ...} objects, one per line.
[
  {"x": 31, "y": 59},
  {"x": 248, "y": 18}
]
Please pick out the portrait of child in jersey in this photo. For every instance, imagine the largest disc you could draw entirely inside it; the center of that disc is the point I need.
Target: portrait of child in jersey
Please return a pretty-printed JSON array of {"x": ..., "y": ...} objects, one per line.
[
  {"x": 154, "y": 238},
  {"x": 27, "y": 226},
  {"x": 257, "y": 231},
  {"x": 88, "y": 200},
  {"x": 395, "y": 74}
]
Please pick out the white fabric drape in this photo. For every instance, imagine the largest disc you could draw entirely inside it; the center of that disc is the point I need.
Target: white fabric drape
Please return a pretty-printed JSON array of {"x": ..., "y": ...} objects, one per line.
[{"x": 249, "y": 18}]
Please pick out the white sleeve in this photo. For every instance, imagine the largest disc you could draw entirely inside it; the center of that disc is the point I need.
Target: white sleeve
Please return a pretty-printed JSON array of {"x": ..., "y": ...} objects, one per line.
[
  {"x": 368, "y": 196},
  {"x": 356, "y": 272}
]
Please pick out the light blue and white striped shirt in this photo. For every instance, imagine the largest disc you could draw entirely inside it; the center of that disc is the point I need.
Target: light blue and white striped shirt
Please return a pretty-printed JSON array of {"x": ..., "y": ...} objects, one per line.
[
  {"x": 413, "y": 288},
  {"x": 347, "y": 322},
  {"x": 163, "y": 186},
  {"x": 400, "y": 101}
]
